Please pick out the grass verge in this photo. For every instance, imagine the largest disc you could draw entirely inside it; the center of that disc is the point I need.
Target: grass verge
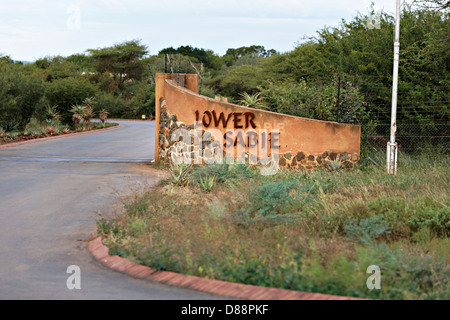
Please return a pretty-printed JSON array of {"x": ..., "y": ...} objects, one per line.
[{"x": 307, "y": 231}]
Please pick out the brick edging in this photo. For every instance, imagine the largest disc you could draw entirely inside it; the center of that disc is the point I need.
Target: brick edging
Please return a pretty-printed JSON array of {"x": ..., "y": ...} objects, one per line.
[
  {"x": 227, "y": 289},
  {"x": 14, "y": 144}
]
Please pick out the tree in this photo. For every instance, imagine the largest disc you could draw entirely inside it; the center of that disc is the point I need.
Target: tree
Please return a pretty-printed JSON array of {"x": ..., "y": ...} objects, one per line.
[
  {"x": 243, "y": 78},
  {"x": 433, "y": 4},
  {"x": 57, "y": 68},
  {"x": 121, "y": 61},
  {"x": 206, "y": 57},
  {"x": 82, "y": 61},
  {"x": 232, "y": 55}
]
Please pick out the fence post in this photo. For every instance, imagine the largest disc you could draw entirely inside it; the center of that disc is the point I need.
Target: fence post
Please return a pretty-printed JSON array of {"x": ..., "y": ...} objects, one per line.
[{"x": 392, "y": 147}]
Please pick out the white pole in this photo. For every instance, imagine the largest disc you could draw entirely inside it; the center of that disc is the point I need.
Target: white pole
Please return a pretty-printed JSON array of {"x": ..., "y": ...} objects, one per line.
[{"x": 392, "y": 148}]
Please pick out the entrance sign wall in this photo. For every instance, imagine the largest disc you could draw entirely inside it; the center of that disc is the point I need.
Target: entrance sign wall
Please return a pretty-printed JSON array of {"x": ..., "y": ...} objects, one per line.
[{"x": 218, "y": 127}]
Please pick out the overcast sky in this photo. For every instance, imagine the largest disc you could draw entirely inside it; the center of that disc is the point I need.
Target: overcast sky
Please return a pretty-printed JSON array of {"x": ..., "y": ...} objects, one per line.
[{"x": 31, "y": 29}]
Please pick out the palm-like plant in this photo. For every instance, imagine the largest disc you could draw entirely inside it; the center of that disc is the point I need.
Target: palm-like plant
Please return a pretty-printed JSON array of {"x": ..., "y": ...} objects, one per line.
[
  {"x": 252, "y": 100},
  {"x": 103, "y": 115},
  {"x": 88, "y": 114},
  {"x": 78, "y": 114}
]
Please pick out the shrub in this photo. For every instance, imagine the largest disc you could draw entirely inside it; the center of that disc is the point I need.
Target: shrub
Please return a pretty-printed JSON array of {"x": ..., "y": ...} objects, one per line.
[
  {"x": 269, "y": 204},
  {"x": 35, "y": 128},
  {"x": 9, "y": 125},
  {"x": 366, "y": 230},
  {"x": 142, "y": 101},
  {"x": 21, "y": 89},
  {"x": 437, "y": 220},
  {"x": 114, "y": 105},
  {"x": 103, "y": 116},
  {"x": 68, "y": 92}
]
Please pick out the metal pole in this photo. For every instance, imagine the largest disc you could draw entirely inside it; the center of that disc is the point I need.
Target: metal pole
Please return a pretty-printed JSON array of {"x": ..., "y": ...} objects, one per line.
[{"x": 392, "y": 147}]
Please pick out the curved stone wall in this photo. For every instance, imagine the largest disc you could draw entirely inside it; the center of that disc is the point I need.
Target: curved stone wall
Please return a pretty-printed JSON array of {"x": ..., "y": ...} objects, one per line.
[{"x": 301, "y": 143}]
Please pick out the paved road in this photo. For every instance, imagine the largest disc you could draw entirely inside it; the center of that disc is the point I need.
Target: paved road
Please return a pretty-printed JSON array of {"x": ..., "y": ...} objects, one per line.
[{"x": 49, "y": 194}]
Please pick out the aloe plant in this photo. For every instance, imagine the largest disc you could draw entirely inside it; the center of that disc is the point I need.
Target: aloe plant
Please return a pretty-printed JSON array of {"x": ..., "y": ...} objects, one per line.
[
  {"x": 78, "y": 114},
  {"x": 333, "y": 166},
  {"x": 181, "y": 174},
  {"x": 103, "y": 115},
  {"x": 252, "y": 100},
  {"x": 52, "y": 115},
  {"x": 207, "y": 183},
  {"x": 88, "y": 115}
]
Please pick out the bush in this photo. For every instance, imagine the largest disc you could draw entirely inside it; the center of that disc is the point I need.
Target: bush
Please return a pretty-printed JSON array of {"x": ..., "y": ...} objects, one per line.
[
  {"x": 114, "y": 105},
  {"x": 437, "y": 220},
  {"x": 142, "y": 100},
  {"x": 21, "y": 89},
  {"x": 366, "y": 230},
  {"x": 35, "y": 128},
  {"x": 67, "y": 92},
  {"x": 311, "y": 100}
]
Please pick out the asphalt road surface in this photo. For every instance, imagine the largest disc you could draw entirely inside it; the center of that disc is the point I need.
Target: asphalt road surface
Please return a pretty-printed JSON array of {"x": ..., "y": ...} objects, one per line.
[{"x": 50, "y": 193}]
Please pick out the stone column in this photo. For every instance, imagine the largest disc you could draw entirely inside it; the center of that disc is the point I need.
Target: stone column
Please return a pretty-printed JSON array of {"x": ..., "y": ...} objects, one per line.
[{"x": 190, "y": 83}]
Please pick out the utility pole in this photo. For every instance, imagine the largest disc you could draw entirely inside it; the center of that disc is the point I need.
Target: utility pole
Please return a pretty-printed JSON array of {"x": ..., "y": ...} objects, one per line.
[{"x": 392, "y": 147}]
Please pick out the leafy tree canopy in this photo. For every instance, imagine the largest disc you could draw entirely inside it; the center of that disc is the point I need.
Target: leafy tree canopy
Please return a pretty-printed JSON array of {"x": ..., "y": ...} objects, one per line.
[{"x": 122, "y": 61}]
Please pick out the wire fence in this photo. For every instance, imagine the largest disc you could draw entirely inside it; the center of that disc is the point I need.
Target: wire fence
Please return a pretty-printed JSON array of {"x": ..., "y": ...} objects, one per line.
[
  {"x": 420, "y": 128},
  {"x": 411, "y": 137}
]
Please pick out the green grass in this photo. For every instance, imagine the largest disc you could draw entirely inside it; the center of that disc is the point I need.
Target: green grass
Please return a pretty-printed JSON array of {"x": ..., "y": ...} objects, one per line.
[{"x": 315, "y": 232}]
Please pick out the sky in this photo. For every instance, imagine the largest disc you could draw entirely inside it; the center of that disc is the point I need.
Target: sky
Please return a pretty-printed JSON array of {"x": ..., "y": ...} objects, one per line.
[{"x": 33, "y": 29}]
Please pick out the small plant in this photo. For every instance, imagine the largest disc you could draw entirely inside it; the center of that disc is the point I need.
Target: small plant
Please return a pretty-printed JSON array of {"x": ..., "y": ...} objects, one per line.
[
  {"x": 437, "y": 221},
  {"x": 252, "y": 100},
  {"x": 50, "y": 130},
  {"x": 34, "y": 128},
  {"x": 52, "y": 115},
  {"x": 89, "y": 104},
  {"x": 103, "y": 115},
  {"x": 13, "y": 135},
  {"x": 9, "y": 125},
  {"x": 87, "y": 116},
  {"x": 219, "y": 171},
  {"x": 181, "y": 174},
  {"x": 207, "y": 183},
  {"x": 78, "y": 114},
  {"x": 366, "y": 230},
  {"x": 333, "y": 166}
]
